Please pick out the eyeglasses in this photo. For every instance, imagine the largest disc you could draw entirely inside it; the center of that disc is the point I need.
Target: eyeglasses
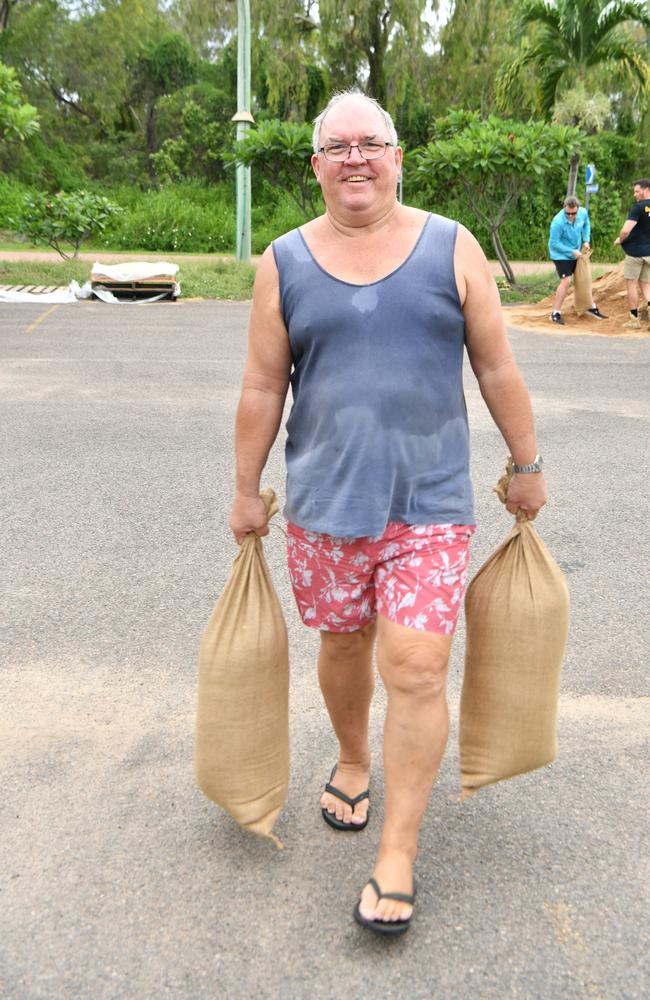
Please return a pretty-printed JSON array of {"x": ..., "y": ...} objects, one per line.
[
  {"x": 339, "y": 151},
  {"x": 569, "y": 213}
]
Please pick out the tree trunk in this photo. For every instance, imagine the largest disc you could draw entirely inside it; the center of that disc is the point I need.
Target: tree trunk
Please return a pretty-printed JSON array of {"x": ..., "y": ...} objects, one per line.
[
  {"x": 573, "y": 176},
  {"x": 376, "y": 54},
  {"x": 150, "y": 134},
  {"x": 5, "y": 10},
  {"x": 501, "y": 256}
]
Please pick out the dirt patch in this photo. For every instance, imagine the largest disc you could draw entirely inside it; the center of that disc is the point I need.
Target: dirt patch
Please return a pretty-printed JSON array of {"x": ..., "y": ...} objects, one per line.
[{"x": 610, "y": 295}]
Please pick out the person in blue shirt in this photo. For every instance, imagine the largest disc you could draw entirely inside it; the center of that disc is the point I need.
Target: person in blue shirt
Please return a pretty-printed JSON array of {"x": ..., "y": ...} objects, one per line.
[{"x": 568, "y": 239}]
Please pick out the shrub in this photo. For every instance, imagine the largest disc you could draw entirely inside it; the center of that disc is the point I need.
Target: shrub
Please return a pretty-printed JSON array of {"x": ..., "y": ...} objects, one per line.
[
  {"x": 63, "y": 219},
  {"x": 274, "y": 213},
  {"x": 186, "y": 218},
  {"x": 12, "y": 196}
]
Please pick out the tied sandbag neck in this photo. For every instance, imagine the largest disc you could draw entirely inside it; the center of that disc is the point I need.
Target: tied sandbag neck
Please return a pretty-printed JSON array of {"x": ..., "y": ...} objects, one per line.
[{"x": 272, "y": 507}]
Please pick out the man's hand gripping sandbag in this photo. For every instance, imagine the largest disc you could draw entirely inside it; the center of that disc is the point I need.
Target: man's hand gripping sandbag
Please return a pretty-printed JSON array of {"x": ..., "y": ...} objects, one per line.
[
  {"x": 517, "y": 612},
  {"x": 242, "y": 725}
]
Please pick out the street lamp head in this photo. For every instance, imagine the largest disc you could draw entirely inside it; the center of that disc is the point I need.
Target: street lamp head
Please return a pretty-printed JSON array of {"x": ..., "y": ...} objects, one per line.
[{"x": 243, "y": 116}]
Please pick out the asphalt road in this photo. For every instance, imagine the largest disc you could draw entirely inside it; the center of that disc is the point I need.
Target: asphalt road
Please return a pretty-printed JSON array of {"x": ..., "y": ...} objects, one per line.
[{"x": 119, "y": 879}]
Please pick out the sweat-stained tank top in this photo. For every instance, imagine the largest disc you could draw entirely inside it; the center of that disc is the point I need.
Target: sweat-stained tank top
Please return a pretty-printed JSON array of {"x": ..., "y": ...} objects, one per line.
[{"x": 378, "y": 428}]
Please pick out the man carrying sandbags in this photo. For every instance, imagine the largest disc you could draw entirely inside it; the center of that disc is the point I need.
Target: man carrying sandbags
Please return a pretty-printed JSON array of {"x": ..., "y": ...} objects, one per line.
[{"x": 365, "y": 311}]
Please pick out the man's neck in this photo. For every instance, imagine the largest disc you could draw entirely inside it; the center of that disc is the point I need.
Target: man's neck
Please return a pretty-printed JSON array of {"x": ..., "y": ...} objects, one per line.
[{"x": 361, "y": 225}]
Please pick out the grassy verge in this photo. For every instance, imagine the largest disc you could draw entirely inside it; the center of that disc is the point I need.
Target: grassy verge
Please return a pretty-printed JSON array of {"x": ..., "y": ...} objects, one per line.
[
  {"x": 209, "y": 279},
  {"x": 534, "y": 287}
]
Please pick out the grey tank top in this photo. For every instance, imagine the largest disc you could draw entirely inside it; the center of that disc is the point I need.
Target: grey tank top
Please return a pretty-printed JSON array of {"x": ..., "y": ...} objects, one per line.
[{"x": 378, "y": 428}]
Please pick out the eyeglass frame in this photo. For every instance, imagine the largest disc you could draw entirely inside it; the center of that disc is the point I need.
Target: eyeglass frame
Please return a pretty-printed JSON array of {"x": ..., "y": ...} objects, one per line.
[{"x": 351, "y": 145}]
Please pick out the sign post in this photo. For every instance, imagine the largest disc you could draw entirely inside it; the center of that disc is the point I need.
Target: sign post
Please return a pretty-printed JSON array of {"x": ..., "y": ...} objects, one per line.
[{"x": 590, "y": 187}]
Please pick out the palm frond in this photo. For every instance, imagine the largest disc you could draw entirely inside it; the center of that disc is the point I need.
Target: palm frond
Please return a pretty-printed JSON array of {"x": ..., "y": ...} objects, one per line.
[
  {"x": 548, "y": 84},
  {"x": 531, "y": 12},
  {"x": 627, "y": 55},
  {"x": 617, "y": 13}
]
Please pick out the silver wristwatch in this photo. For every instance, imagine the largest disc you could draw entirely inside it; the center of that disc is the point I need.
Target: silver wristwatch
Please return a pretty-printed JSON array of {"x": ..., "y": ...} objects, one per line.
[{"x": 534, "y": 466}]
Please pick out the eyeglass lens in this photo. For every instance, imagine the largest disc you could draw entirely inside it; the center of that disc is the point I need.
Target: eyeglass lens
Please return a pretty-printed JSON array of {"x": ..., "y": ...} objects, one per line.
[{"x": 338, "y": 151}]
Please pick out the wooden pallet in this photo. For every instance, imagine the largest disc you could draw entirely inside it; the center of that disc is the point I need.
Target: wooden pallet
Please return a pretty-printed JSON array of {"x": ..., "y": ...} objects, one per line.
[{"x": 137, "y": 289}]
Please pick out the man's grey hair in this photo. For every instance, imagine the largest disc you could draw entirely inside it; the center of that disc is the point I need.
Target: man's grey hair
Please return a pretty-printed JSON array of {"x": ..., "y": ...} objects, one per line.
[
  {"x": 571, "y": 202},
  {"x": 342, "y": 96},
  {"x": 643, "y": 183}
]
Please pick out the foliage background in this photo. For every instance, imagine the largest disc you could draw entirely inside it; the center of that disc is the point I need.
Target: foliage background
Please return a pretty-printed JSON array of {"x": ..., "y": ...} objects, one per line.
[{"x": 135, "y": 99}]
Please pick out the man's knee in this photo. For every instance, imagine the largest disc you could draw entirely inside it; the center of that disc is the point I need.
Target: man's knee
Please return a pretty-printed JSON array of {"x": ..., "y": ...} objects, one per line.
[
  {"x": 348, "y": 645},
  {"x": 418, "y": 668}
]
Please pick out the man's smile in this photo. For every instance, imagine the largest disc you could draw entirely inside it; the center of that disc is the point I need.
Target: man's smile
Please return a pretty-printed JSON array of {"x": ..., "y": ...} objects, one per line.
[{"x": 355, "y": 179}]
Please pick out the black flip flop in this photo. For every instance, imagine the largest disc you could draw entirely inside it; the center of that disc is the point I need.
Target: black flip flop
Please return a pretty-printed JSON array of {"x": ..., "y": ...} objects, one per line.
[
  {"x": 331, "y": 819},
  {"x": 386, "y": 926}
]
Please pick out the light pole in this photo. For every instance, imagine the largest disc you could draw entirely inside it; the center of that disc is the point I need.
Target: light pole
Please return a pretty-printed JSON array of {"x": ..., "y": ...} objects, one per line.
[{"x": 244, "y": 119}]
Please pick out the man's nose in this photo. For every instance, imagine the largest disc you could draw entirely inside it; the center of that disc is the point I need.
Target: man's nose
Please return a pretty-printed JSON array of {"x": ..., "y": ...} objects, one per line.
[{"x": 354, "y": 150}]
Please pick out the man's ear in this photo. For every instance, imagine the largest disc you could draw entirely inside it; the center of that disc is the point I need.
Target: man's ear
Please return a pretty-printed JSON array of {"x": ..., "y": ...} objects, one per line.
[{"x": 315, "y": 166}]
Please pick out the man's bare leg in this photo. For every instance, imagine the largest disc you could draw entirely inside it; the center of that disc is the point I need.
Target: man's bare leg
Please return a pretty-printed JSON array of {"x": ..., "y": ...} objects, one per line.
[
  {"x": 561, "y": 292},
  {"x": 413, "y": 667},
  {"x": 346, "y": 678},
  {"x": 633, "y": 288}
]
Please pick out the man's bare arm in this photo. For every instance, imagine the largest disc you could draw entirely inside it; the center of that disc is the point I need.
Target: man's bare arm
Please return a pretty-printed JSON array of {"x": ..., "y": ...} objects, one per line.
[
  {"x": 264, "y": 390},
  {"x": 626, "y": 229},
  {"x": 499, "y": 378}
]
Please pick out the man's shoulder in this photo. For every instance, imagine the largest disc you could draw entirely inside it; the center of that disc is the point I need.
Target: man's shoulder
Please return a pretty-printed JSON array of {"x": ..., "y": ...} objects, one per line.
[
  {"x": 287, "y": 237},
  {"x": 639, "y": 209},
  {"x": 559, "y": 217}
]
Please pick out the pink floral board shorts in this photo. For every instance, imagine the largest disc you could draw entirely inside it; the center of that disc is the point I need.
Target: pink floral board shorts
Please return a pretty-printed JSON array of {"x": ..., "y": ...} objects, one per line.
[{"x": 414, "y": 575}]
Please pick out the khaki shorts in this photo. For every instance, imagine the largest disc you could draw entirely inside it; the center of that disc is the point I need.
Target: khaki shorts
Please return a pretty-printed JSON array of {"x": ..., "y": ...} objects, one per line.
[{"x": 636, "y": 268}]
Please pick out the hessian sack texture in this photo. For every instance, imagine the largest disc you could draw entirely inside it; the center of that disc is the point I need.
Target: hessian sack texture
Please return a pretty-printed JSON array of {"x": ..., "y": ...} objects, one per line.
[
  {"x": 517, "y": 619},
  {"x": 242, "y": 723}
]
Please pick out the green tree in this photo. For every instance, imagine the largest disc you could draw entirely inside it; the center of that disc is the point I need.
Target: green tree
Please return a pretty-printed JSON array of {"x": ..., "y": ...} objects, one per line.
[
  {"x": 281, "y": 151},
  {"x": 474, "y": 44},
  {"x": 199, "y": 134},
  {"x": 574, "y": 38},
  {"x": 76, "y": 64},
  {"x": 164, "y": 67},
  {"x": 18, "y": 120},
  {"x": 64, "y": 219},
  {"x": 493, "y": 162},
  {"x": 360, "y": 39},
  {"x": 285, "y": 57}
]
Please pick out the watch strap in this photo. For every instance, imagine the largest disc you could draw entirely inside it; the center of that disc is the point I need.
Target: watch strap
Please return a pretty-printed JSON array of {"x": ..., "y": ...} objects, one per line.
[{"x": 534, "y": 466}]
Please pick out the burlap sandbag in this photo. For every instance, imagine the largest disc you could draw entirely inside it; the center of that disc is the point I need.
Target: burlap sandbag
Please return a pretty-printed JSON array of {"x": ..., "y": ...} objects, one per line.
[
  {"x": 582, "y": 293},
  {"x": 242, "y": 723},
  {"x": 517, "y": 615}
]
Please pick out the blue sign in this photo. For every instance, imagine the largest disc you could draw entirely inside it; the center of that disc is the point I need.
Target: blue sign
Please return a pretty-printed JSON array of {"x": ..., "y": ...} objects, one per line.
[
  {"x": 590, "y": 173},
  {"x": 592, "y": 189}
]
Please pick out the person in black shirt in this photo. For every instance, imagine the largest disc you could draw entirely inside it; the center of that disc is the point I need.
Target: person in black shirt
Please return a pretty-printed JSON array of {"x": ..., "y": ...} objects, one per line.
[{"x": 634, "y": 237}]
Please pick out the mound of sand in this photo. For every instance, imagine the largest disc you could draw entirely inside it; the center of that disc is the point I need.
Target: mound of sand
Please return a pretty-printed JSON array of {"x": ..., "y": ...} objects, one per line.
[{"x": 610, "y": 295}]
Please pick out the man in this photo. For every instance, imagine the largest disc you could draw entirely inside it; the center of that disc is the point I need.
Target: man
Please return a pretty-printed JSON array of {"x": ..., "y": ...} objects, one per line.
[
  {"x": 568, "y": 240},
  {"x": 366, "y": 310},
  {"x": 634, "y": 237}
]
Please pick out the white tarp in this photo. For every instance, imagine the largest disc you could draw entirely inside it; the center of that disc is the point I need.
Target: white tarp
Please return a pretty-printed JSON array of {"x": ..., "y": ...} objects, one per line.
[
  {"x": 134, "y": 270},
  {"x": 69, "y": 294}
]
